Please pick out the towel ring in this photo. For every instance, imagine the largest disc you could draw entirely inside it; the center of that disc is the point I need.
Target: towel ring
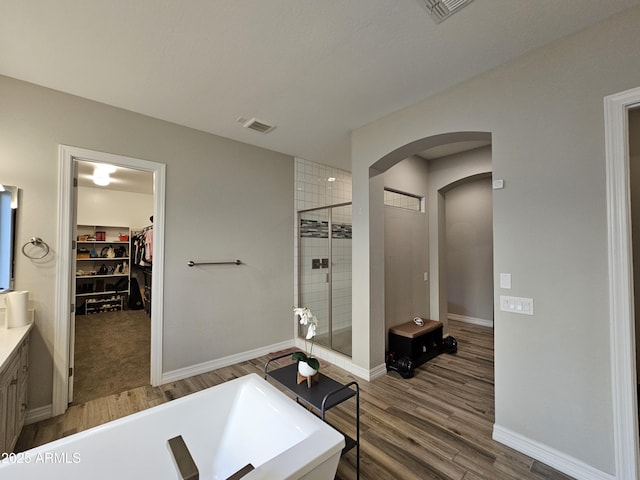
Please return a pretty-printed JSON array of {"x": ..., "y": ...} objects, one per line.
[{"x": 36, "y": 242}]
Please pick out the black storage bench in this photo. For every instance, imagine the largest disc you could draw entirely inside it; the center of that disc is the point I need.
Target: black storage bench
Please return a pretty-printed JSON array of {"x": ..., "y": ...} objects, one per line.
[{"x": 419, "y": 343}]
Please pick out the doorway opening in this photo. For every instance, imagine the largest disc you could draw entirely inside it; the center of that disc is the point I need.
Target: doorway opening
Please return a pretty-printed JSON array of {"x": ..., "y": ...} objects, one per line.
[
  {"x": 469, "y": 250},
  {"x": 621, "y": 297},
  {"x": 70, "y": 158},
  {"x": 111, "y": 332},
  {"x": 634, "y": 184},
  {"x": 423, "y": 248}
]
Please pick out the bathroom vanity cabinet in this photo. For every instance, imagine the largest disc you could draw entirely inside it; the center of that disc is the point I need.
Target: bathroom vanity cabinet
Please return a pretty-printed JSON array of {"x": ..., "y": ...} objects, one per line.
[
  {"x": 14, "y": 372},
  {"x": 103, "y": 268}
]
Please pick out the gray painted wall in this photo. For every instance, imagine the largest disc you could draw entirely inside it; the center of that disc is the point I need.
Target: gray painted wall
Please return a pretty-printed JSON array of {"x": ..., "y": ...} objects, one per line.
[
  {"x": 100, "y": 206},
  {"x": 406, "y": 237},
  {"x": 469, "y": 226},
  {"x": 444, "y": 173},
  {"x": 225, "y": 200},
  {"x": 545, "y": 114}
]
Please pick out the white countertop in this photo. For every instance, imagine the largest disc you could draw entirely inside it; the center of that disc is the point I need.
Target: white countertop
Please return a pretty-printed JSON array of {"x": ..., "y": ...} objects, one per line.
[{"x": 10, "y": 339}]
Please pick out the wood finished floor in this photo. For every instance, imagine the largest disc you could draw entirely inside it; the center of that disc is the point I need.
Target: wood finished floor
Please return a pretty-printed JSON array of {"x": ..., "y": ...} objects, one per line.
[{"x": 436, "y": 425}]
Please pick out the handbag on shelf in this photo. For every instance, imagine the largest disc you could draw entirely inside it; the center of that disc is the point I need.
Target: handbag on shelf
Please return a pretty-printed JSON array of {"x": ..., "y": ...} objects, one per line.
[{"x": 121, "y": 284}]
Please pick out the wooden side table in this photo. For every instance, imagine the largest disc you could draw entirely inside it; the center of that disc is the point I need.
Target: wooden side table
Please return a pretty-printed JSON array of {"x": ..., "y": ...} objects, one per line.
[{"x": 322, "y": 396}]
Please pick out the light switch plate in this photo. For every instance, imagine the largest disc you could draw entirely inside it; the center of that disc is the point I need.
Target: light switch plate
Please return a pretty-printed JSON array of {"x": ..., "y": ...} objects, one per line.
[{"x": 523, "y": 306}]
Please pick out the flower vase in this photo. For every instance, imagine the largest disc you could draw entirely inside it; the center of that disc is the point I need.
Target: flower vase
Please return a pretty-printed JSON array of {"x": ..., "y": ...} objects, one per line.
[{"x": 305, "y": 372}]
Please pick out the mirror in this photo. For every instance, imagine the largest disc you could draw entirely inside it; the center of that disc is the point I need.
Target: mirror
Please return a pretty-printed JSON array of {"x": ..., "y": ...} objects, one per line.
[{"x": 8, "y": 216}]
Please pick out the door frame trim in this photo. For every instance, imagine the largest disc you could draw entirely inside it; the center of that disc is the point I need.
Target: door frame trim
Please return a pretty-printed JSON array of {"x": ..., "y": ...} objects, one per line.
[
  {"x": 621, "y": 308},
  {"x": 64, "y": 269}
]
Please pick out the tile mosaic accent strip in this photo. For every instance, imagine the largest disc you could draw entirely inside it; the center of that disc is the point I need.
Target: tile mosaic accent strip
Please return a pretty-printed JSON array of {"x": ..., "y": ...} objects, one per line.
[
  {"x": 341, "y": 230},
  {"x": 313, "y": 228},
  {"x": 318, "y": 229}
]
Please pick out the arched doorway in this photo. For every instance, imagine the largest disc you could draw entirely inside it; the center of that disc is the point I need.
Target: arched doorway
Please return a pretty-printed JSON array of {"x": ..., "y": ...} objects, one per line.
[{"x": 374, "y": 297}]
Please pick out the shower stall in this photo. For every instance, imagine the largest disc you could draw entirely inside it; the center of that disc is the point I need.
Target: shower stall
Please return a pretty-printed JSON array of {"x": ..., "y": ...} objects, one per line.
[{"x": 324, "y": 272}]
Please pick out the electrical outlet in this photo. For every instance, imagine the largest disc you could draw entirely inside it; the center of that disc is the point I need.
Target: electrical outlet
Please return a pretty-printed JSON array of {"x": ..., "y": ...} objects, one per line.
[{"x": 505, "y": 280}]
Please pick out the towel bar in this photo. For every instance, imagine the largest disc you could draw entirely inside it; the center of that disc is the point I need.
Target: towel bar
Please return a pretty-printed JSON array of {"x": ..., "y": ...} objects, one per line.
[{"x": 193, "y": 264}]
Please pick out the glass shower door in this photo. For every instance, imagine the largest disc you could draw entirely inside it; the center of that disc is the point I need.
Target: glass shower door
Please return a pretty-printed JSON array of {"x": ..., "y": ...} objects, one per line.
[
  {"x": 324, "y": 269},
  {"x": 313, "y": 281},
  {"x": 341, "y": 279}
]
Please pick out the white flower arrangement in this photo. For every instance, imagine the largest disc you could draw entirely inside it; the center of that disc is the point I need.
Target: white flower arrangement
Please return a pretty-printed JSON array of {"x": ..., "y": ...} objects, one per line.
[{"x": 309, "y": 319}]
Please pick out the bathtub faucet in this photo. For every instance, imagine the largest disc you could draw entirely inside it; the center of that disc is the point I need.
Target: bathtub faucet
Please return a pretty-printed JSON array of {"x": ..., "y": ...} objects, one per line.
[
  {"x": 187, "y": 467},
  {"x": 184, "y": 461}
]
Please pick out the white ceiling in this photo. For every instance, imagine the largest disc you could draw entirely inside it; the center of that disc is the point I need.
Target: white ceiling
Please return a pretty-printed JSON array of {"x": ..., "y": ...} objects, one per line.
[{"x": 317, "y": 69}]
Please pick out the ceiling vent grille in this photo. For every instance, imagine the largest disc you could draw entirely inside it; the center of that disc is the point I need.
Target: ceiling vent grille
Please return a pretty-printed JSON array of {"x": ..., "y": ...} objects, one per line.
[
  {"x": 258, "y": 126},
  {"x": 440, "y": 10}
]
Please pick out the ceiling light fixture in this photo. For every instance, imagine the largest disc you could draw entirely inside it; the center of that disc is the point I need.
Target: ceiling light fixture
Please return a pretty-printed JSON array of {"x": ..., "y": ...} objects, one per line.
[
  {"x": 101, "y": 179},
  {"x": 440, "y": 10},
  {"x": 101, "y": 174},
  {"x": 331, "y": 179}
]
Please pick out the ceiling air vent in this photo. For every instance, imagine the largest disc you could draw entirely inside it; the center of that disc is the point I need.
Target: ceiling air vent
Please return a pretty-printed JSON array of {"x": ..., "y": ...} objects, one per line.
[
  {"x": 439, "y": 10},
  {"x": 258, "y": 126}
]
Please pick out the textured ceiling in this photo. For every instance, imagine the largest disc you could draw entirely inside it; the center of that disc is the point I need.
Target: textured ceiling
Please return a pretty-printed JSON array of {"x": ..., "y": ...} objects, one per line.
[{"x": 317, "y": 69}]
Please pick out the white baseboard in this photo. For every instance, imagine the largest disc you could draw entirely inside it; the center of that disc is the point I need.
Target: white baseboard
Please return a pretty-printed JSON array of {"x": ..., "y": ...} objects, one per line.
[
  {"x": 466, "y": 319},
  {"x": 38, "y": 414},
  {"x": 360, "y": 372},
  {"x": 344, "y": 362},
  {"x": 187, "y": 372},
  {"x": 378, "y": 371},
  {"x": 330, "y": 356},
  {"x": 549, "y": 456}
]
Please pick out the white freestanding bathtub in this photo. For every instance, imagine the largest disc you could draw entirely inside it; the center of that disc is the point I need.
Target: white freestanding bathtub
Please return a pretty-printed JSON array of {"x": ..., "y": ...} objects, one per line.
[{"x": 225, "y": 427}]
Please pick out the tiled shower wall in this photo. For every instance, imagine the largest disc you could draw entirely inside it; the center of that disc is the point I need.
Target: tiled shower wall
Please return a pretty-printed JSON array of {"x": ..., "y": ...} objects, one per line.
[{"x": 313, "y": 189}]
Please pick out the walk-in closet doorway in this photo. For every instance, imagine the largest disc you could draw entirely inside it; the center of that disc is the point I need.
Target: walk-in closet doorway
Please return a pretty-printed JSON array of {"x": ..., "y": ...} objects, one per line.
[
  {"x": 111, "y": 333},
  {"x": 85, "y": 217},
  {"x": 621, "y": 289}
]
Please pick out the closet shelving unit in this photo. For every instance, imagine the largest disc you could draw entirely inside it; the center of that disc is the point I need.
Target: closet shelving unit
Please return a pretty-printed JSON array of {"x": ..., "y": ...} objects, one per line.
[{"x": 95, "y": 291}]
